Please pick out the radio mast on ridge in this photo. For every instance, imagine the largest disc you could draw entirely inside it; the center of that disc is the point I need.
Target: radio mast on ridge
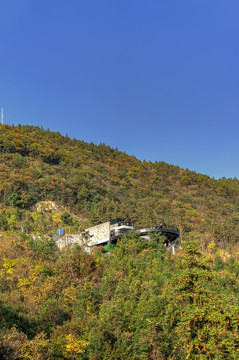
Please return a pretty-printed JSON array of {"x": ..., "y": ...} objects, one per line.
[{"x": 2, "y": 116}]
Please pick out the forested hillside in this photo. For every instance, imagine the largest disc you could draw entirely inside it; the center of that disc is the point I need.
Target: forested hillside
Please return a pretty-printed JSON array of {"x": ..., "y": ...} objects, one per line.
[
  {"x": 137, "y": 302},
  {"x": 94, "y": 183}
]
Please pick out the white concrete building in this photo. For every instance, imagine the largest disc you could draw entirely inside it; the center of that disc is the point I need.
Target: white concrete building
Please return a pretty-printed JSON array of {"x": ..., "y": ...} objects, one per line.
[{"x": 107, "y": 232}]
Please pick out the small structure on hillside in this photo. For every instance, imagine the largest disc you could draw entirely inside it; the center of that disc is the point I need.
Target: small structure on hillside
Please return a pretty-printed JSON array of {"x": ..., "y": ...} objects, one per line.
[
  {"x": 108, "y": 232},
  {"x": 170, "y": 236},
  {"x": 111, "y": 231}
]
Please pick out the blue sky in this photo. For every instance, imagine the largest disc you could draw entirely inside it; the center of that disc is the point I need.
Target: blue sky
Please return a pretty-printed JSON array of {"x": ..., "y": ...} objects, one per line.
[{"x": 159, "y": 79}]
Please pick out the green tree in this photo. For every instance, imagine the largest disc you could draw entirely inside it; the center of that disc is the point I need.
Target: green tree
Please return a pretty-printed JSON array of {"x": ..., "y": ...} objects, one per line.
[
  {"x": 199, "y": 320},
  {"x": 66, "y": 218}
]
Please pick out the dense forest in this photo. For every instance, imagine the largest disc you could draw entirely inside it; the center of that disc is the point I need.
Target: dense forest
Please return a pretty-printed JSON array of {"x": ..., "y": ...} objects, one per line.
[{"x": 137, "y": 301}]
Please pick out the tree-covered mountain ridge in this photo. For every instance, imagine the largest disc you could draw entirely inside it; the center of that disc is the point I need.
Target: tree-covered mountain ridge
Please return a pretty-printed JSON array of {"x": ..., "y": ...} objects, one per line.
[
  {"x": 95, "y": 183},
  {"x": 141, "y": 302}
]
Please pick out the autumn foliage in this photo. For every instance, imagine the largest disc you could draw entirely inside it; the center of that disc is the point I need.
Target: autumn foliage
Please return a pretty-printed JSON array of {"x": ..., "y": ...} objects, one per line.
[
  {"x": 136, "y": 302},
  {"x": 95, "y": 183},
  {"x": 139, "y": 302}
]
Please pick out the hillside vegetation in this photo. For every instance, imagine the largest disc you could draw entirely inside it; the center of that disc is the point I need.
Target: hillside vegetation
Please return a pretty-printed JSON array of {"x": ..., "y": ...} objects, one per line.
[
  {"x": 94, "y": 183},
  {"x": 137, "y": 302}
]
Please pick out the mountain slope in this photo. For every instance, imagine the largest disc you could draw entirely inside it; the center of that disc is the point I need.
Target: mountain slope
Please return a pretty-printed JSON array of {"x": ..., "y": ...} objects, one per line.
[{"x": 96, "y": 182}]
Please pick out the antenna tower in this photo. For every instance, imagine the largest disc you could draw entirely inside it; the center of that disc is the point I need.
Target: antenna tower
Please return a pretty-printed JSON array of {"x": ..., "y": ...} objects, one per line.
[{"x": 2, "y": 116}]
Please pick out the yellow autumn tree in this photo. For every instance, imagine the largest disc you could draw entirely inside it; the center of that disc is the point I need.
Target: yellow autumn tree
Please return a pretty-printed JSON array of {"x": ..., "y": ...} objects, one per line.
[{"x": 74, "y": 347}]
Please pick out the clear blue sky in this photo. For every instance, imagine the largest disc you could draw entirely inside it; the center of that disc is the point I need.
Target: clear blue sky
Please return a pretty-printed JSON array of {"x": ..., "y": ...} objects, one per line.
[{"x": 157, "y": 79}]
